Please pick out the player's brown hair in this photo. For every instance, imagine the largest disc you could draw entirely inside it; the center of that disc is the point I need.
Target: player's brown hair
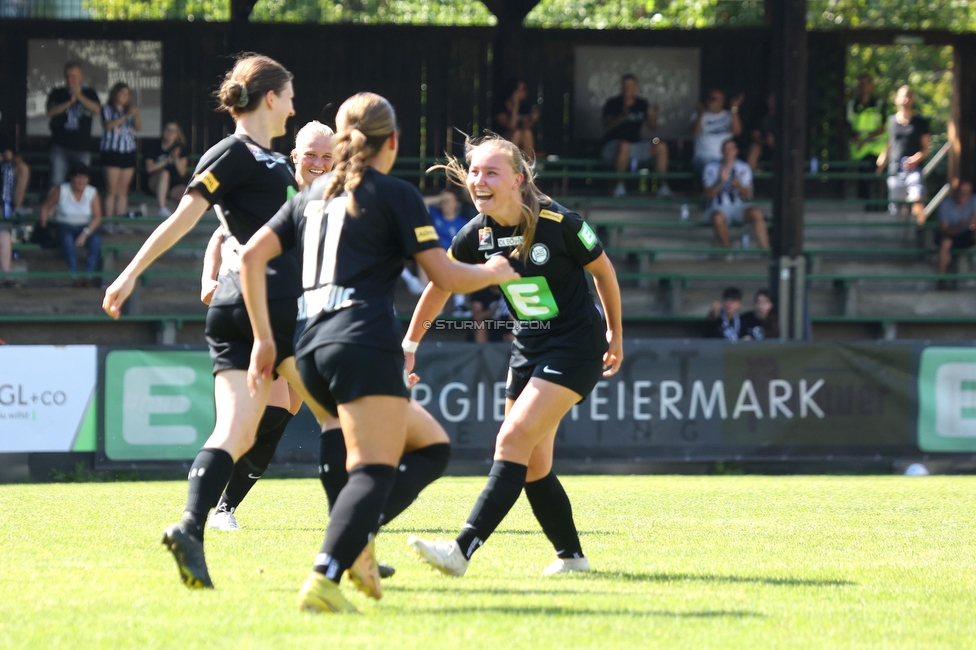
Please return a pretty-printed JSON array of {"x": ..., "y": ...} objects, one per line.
[
  {"x": 246, "y": 84},
  {"x": 364, "y": 122},
  {"x": 532, "y": 197}
]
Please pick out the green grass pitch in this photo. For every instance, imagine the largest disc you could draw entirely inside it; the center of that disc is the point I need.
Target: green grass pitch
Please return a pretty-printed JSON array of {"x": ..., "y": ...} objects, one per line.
[{"x": 689, "y": 562}]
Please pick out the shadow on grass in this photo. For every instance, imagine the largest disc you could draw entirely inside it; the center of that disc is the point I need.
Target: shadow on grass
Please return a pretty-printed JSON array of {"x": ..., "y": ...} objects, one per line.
[
  {"x": 706, "y": 577},
  {"x": 500, "y": 531},
  {"x": 493, "y": 591},
  {"x": 575, "y": 611}
]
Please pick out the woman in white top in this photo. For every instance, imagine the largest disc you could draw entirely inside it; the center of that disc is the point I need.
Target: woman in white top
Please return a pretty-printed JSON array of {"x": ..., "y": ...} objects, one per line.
[{"x": 78, "y": 213}]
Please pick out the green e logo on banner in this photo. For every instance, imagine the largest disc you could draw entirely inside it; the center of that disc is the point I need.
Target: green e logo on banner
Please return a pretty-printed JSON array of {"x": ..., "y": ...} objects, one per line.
[
  {"x": 947, "y": 399},
  {"x": 531, "y": 298},
  {"x": 158, "y": 405}
]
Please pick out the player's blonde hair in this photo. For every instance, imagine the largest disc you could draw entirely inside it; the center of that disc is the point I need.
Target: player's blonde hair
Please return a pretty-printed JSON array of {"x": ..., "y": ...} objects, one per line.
[
  {"x": 365, "y": 121},
  {"x": 310, "y": 130},
  {"x": 532, "y": 197}
]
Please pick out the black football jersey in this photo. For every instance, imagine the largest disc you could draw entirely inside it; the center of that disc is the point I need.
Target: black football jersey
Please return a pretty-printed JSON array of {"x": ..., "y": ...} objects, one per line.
[
  {"x": 552, "y": 301},
  {"x": 350, "y": 263},
  {"x": 246, "y": 184}
]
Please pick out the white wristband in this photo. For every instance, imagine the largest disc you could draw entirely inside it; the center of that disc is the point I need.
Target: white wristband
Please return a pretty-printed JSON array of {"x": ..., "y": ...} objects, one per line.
[{"x": 409, "y": 346}]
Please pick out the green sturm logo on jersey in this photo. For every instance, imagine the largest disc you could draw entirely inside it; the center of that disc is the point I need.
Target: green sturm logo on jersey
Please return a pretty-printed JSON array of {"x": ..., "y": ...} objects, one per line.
[
  {"x": 587, "y": 236},
  {"x": 531, "y": 298}
]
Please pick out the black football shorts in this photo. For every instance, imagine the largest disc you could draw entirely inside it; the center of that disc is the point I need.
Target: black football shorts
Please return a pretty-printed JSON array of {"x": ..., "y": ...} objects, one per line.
[
  {"x": 337, "y": 373},
  {"x": 229, "y": 335},
  {"x": 578, "y": 375}
]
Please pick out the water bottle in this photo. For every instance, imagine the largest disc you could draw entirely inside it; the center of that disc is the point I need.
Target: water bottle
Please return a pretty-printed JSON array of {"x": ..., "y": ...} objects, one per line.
[
  {"x": 745, "y": 241},
  {"x": 685, "y": 211}
]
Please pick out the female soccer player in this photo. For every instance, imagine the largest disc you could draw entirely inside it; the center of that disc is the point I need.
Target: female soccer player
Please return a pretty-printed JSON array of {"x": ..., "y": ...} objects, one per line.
[
  {"x": 246, "y": 182},
  {"x": 312, "y": 157},
  {"x": 352, "y": 243},
  {"x": 551, "y": 368}
]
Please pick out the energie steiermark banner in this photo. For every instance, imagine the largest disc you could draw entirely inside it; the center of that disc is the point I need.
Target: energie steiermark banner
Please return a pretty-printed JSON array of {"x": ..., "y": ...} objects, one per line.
[{"x": 671, "y": 400}]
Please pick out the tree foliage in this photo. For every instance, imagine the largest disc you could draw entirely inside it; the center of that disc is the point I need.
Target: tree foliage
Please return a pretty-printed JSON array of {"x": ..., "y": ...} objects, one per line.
[
  {"x": 646, "y": 14},
  {"x": 211, "y": 10},
  {"x": 956, "y": 15},
  {"x": 423, "y": 12}
]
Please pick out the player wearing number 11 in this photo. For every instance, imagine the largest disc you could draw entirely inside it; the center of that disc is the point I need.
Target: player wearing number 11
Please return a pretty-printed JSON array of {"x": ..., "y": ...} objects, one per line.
[{"x": 561, "y": 347}]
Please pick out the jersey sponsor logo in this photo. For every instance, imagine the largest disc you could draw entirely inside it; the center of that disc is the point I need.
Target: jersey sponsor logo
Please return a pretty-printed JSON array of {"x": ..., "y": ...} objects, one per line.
[
  {"x": 290, "y": 192},
  {"x": 210, "y": 182},
  {"x": 531, "y": 298},
  {"x": 269, "y": 158},
  {"x": 486, "y": 239},
  {"x": 551, "y": 371},
  {"x": 425, "y": 233},
  {"x": 587, "y": 236},
  {"x": 327, "y": 299},
  {"x": 552, "y": 216},
  {"x": 509, "y": 242},
  {"x": 539, "y": 254}
]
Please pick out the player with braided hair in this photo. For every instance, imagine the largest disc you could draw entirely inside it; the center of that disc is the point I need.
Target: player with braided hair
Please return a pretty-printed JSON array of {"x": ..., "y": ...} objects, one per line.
[{"x": 352, "y": 231}]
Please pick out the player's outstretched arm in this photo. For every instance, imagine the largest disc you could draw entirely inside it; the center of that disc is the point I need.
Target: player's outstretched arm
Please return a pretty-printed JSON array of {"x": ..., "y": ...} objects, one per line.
[
  {"x": 182, "y": 221},
  {"x": 263, "y": 247},
  {"x": 431, "y": 303},
  {"x": 605, "y": 279},
  {"x": 455, "y": 277}
]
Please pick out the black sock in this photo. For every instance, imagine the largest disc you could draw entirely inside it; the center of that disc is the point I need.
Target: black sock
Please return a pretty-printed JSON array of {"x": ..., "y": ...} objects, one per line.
[
  {"x": 332, "y": 464},
  {"x": 551, "y": 506},
  {"x": 252, "y": 465},
  {"x": 417, "y": 470},
  {"x": 505, "y": 483},
  {"x": 209, "y": 474},
  {"x": 354, "y": 518}
]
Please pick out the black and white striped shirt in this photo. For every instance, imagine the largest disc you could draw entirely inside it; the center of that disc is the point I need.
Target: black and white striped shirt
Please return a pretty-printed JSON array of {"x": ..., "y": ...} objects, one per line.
[{"x": 121, "y": 139}]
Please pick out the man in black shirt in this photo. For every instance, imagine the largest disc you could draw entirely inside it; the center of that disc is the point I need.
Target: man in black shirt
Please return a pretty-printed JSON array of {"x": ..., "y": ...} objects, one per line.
[
  {"x": 623, "y": 118},
  {"x": 70, "y": 109},
  {"x": 908, "y": 145}
]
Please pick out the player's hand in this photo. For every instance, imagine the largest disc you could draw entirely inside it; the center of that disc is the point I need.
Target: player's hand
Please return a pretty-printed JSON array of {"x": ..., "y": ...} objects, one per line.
[
  {"x": 502, "y": 269},
  {"x": 262, "y": 364},
  {"x": 117, "y": 293},
  {"x": 614, "y": 356},
  {"x": 207, "y": 291},
  {"x": 409, "y": 359},
  {"x": 738, "y": 100}
]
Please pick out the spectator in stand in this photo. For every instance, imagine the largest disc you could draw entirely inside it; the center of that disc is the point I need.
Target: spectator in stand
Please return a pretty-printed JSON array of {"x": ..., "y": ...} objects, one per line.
[
  {"x": 957, "y": 223},
  {"x": 490, "y": 315},
  {"x": 624, "y": 118},
  {"x": 120, "y": 122},
  {"x": 728, "y": 188},
  {"x": 762, "y": 322},
  {"x": 445, "y": 212},
  {"x": 78, "y": 213},
  {"x": 14, "y": 178},
  {"x": 908, "y": 146},
  {"x": 712, "y": 125},
  {"x": 724, "y": 319},
  {"x": 517, "y": 117},
  {"x": 70, "y": 109},
  {"x": 166, "y": 164},
  {"x": 763, "y": 137},
  {"x": 867, "y": 118}
]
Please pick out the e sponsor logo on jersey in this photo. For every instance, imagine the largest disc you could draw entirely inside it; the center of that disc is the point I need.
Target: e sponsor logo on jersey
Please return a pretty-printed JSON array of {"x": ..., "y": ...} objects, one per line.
[
  {"x": 539, "y": 254},
  {"x": 210, "y": 182},
  {"x": 486, "y": 239},
  {"x": 587, "y": 236},
  {"x": 425, "y": 233},
  {"x": 531, "y": 298},
  {"x": 509, "y": 242}
]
